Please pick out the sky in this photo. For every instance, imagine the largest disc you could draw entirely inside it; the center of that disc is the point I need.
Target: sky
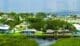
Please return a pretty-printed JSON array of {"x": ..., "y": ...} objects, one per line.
[{"x": 39, "y": 5}]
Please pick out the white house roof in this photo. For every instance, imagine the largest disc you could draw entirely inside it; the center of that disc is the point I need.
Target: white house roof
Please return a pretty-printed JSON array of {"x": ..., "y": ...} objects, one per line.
[
  {"x": 4, "y": 27},
  {"x": 49, "y": 30},
  {"x": 77, "y": 26}
]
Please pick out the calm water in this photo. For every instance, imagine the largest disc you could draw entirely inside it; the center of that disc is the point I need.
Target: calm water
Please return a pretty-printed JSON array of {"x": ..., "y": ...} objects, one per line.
[{"x": 45, "y": 42}]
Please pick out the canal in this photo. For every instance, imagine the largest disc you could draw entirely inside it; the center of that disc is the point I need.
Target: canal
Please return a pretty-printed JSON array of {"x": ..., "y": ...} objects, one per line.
[{"x": 45, "y": 42}]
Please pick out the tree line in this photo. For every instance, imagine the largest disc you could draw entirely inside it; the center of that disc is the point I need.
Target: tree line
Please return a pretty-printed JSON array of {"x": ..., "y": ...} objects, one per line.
[{"x": 40, "y": 21}]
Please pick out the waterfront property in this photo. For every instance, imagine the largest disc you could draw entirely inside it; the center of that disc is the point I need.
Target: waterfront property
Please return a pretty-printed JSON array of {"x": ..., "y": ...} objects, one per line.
[
  {"x": 29, "y": 31},
  {"x": 59, "y": 33},
  {"x": 77, "y": 32},
  {"x": 49, "y": 31},
  {"x": 4, "y": 28}
]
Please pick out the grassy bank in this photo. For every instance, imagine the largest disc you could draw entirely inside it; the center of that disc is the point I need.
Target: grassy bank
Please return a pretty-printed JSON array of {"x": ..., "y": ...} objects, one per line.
[
  {"x": 19, "y": 40},
  {"x": 68, "y": 42}
]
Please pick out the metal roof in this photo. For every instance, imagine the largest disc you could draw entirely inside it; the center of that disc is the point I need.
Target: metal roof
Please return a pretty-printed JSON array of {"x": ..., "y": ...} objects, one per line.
[{"x": 4, "y": 27}]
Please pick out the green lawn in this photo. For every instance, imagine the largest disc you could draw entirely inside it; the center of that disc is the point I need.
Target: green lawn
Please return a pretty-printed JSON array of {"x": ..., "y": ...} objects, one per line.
[
  {"x": 68, "y": 42},
  {"x": 16, "y": 40}
]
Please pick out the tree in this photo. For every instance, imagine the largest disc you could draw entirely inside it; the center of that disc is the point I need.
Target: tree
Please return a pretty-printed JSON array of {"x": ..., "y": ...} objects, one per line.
[
  {"x": 73, "y": 16},
  {"x": 41, "y": 15},
  {"x": 70, "y": 27},
  {"x": 1, "y": 13},
  {"x": 23, "y": 15},
  {"x": 37, "y": 23},
  {"x": 57, "y": 24},
  {"x": 14, "y": 22},
  {"x": 2, "y": 21},
  {"x": 53, "y": 24}
]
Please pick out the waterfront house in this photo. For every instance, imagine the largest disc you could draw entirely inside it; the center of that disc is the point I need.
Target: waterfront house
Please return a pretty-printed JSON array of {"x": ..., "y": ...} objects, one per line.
[
  {"x": 65, "y": 32},
  {"x": 19, "y": 28},
  {"x": 50, "y": 31},
  {"x": 77, "y": 32},
  {"x": 4, "y": 28},
  {"x": 29, "y": 31}
]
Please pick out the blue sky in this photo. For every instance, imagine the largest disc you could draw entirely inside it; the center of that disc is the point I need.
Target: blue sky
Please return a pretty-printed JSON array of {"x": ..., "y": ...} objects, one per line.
[{"x": 39, "y": 5}]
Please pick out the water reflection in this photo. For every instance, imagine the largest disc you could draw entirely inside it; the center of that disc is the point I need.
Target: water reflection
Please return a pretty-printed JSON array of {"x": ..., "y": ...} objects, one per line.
[{"x": 45, "y": 42}]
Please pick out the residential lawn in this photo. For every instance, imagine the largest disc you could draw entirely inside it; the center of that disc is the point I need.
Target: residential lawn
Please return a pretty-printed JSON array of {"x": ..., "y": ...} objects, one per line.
[
  {"x": 39, "y": 33},
  {"x": 68, "y": 42},
  {"x": 16, "y": 40}
]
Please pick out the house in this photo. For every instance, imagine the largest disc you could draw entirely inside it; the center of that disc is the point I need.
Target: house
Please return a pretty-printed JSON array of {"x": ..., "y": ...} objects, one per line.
[
  {"x": 4, "y": 28},
  {"x": 77, "y": 32},
  {"x": 29, "y": 31},
  {"x": 50, "y": 31},
  {"x": 19, "y": 28}
]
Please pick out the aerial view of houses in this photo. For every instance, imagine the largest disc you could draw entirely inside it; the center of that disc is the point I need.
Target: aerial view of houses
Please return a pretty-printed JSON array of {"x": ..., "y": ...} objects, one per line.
[{"x": 39, "y": 23}]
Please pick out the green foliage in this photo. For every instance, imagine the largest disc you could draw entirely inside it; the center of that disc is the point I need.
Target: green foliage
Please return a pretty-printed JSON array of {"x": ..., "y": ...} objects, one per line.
[
  {"x": 12, "y": 23},
  {"x": 41, "y": 15},
  {"x": 2, "y": 20},
  {"x": 1, "y": 13},
  {"x": 11, "y": 13},
  {"x": 57, "y": 24},
  {"x": 37, "y": 23},
  {"x": 42, "y": 25},
  {"x": 25, "y": 15},
  {"x": 70, "y": 27}
]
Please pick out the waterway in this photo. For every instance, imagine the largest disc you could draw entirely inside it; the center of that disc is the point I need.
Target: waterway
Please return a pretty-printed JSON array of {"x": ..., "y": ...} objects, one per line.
[{"x": 45, "y": 42}]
